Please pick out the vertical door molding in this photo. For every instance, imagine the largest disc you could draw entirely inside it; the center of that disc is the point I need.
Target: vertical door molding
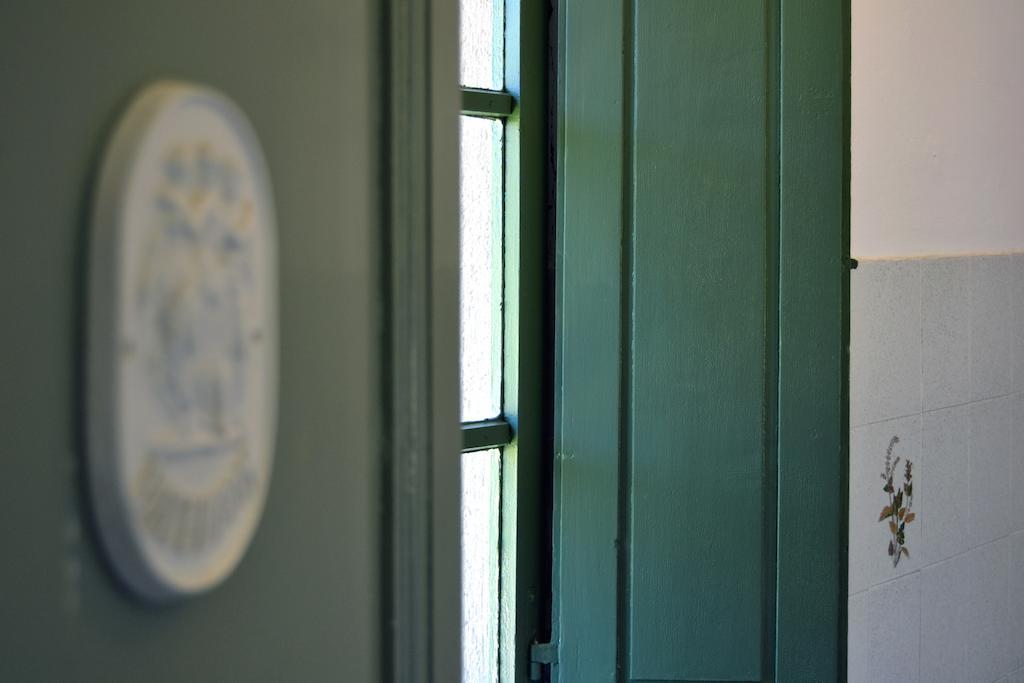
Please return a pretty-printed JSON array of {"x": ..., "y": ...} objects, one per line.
[
  {"x": 589, "y": 343},
  {"x": 814, "y": 340},
  {"x": 420, "y": 338}
]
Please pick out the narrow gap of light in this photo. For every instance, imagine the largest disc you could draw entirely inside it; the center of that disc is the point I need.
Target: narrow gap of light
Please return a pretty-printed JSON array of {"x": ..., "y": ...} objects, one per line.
[
  {"x": 481, "y": 486},
  {"x": 480, "y": 267}
]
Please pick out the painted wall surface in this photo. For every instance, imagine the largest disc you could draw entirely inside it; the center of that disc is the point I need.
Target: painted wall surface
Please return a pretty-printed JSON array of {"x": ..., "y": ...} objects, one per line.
[
  {"x": 937, "y": 344},
  {"x": 937, "y": 145},
  {"x": 303, "y": 604},
  {"x": 937, "y": 359}
]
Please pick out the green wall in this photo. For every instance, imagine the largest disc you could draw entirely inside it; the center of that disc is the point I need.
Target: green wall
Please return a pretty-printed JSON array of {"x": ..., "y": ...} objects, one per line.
[{"x": 303, "y": 605}]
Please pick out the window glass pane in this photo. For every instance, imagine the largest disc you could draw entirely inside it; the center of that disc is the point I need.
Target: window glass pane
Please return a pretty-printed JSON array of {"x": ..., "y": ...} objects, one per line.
[
  {"x": 481, "y": 486},
  {"x": 481, "y": 30},
  {"x": 480, "y": 266}
]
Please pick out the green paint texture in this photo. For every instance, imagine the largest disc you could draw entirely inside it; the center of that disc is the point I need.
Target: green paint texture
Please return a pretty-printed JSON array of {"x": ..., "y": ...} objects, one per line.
[
  {"x": 303, "y": 605},
  {"x": 588, "y": 345},
  {"x": 698, "y": 341},
  {"x": 700, "y": 392}
]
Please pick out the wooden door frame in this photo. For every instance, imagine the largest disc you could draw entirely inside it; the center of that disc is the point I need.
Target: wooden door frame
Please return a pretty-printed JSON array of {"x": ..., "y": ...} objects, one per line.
[
  {"x": 420, "y": 291},
  {"x": 420, "y": 638}
]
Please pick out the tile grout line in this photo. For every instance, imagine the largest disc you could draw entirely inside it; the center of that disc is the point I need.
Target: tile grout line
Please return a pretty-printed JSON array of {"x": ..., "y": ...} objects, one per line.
[
  {"x": 938, "y": 257},
  {"x": 970, "y": 389},
  {"x": 950, "y": 558},
  {"x": 923, "y": 466},
  {"x": 1011, "y": 655},
  {"x": 921, "y": 444},
  {"x": 920, "y": 621},
  {"x": 920, "y": 420},
  {"x": 905, "y": 416}
]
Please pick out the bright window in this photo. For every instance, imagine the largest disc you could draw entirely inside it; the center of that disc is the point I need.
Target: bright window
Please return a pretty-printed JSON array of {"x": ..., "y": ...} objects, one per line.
[
  {"x": 482, "y": 155},
  {"x": 505, "y": 366}
]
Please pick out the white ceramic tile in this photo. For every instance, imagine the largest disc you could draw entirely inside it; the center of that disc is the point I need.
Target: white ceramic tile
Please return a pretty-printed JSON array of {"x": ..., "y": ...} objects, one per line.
[
  {"x": 885, "y": 341},
  {"x": 989, "y": 654},
  {"x": 945, "y": 323},
  {"x": 941, "y": 489},
  {"x": 1018, "y": 323},
  {"x": 1016, "y": 599},
  {"x": 989, "y": 470},
  {"x": 1017, "y": 466},
  {"x": 870, "y": 563},
  {"x": 944, "y": 600},
  {"x": 991, "y": 288},
  {"x": 884, "y": 633}
]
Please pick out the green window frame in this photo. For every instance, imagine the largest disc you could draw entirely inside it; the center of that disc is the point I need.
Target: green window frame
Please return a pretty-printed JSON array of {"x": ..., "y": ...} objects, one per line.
[{"x": 522, "y": 430}]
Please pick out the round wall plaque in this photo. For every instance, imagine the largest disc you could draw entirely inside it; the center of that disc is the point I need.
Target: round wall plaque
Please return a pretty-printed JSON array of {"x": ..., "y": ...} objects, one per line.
[{"x": 182, "y": 353}]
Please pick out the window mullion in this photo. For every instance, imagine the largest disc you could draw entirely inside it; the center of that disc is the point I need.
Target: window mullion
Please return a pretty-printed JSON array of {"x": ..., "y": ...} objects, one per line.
[
  {"x": 487, "y": 103},
  {"x": 486, "y": 434}
]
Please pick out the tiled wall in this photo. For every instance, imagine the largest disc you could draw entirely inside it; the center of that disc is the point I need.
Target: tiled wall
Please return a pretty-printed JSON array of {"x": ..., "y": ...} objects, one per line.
[{"x": 937, "y": 358}]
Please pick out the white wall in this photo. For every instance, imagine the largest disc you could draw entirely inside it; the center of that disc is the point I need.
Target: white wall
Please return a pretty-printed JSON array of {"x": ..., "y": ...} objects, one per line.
[
  {"x": 937, "y": 127},
  {"x": 937, "y": 345}
]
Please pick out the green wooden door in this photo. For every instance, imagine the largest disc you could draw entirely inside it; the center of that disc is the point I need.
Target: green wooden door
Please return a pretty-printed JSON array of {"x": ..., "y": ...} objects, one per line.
[{"x": 700, "y": 462}]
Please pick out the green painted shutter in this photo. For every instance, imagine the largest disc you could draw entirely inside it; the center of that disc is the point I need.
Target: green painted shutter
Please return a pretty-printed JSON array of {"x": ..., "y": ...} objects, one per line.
[{"x": 699, "y": 524}]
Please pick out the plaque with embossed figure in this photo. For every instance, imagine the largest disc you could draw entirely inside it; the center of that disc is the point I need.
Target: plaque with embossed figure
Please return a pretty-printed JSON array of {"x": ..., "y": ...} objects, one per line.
[{"x": 182, "y": 341}]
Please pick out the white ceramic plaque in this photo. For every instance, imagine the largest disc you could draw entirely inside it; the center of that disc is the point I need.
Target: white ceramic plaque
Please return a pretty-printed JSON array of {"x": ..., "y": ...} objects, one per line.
[{"x": 182, "y": 376}]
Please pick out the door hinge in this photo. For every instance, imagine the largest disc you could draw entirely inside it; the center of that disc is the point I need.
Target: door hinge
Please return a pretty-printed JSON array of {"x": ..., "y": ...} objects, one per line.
[{"x": 542, "y": 654}]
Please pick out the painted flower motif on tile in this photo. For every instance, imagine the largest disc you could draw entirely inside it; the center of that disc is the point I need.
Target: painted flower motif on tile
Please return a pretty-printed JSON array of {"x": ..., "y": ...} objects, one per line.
[{"x": 898, "y": 513}]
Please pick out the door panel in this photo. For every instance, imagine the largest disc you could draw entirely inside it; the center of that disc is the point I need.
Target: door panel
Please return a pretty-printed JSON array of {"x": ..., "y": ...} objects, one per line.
[
  {"x": 699, "y": 359},
  {"x": 699, "y": 349}
]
